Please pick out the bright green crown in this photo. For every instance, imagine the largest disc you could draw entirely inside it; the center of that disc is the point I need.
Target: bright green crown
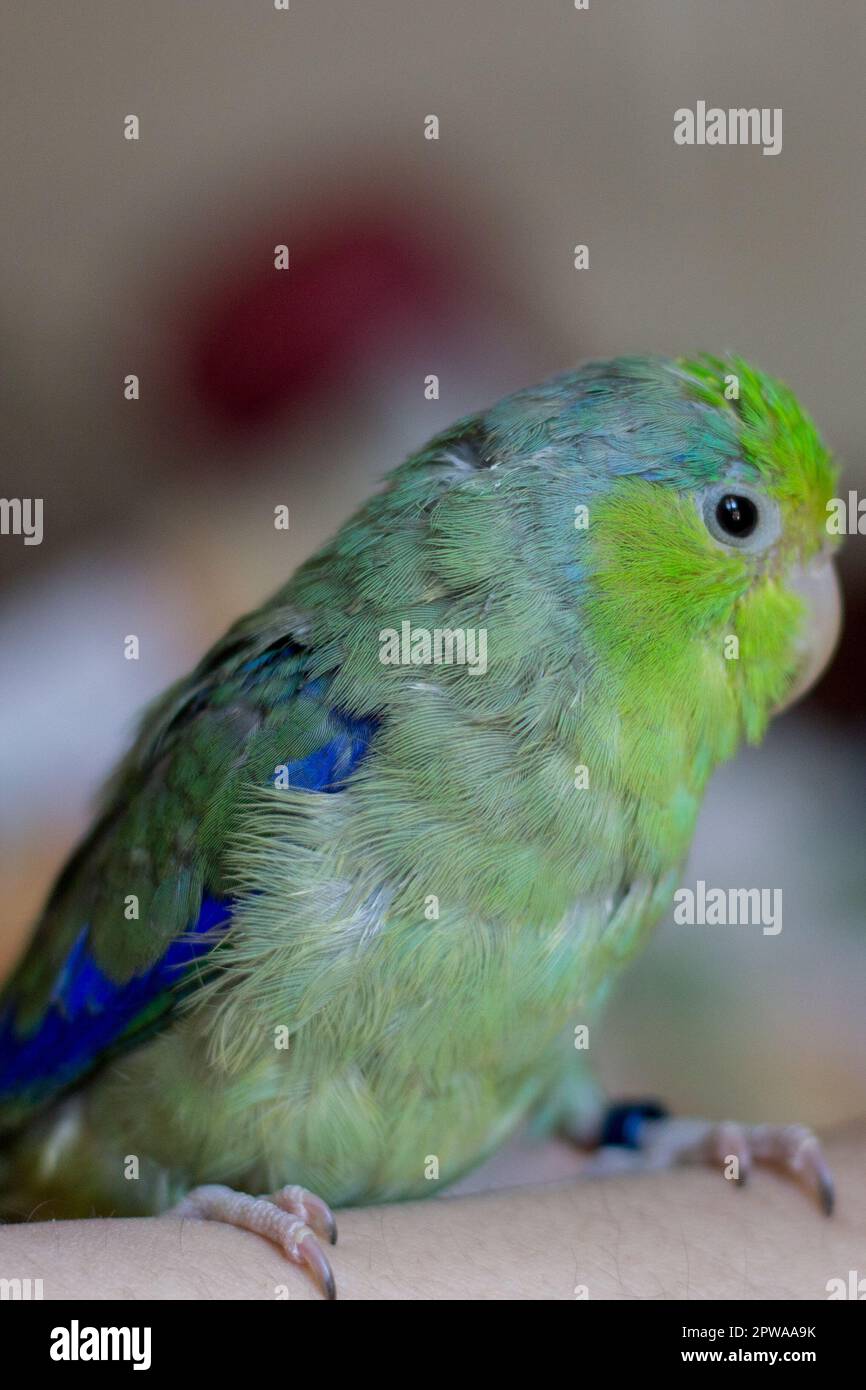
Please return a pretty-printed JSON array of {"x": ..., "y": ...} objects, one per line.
[{"x": 777, "y": 437}]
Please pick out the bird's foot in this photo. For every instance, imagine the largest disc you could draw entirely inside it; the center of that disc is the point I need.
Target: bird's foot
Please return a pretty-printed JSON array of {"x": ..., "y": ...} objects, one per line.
[
  {"x": 642, "y": 1136},
  {"x": 292, "y": 1218}
]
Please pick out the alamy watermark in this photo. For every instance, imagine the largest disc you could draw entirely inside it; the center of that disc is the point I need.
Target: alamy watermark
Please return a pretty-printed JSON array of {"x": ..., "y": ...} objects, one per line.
[
  {"x": 853, "y": 1287},
  {"x": 846, "y": 516},
  {"x": 739, "y": 125},
  {"x": 22, "y": 516},
  {"x": 77, "y": 1343},
  {"x": 437, "y": 646},
  {"x": 729, "y": 907},
  {"x": 20, "y": 1290}
]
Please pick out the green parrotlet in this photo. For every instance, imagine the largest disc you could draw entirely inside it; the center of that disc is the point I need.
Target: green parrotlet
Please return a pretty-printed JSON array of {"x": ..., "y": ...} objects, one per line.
[{"x": 367, "y": 868}]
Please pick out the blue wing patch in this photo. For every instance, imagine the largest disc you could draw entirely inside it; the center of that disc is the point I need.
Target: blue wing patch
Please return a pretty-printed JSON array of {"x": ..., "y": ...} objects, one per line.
[
  {"x": 89, "y": 1013},
  {"x": 329, "y": 768}
]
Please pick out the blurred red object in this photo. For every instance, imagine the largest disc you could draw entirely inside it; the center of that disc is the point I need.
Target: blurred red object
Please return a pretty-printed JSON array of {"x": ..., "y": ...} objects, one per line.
[{"x": 255, "y": 340}]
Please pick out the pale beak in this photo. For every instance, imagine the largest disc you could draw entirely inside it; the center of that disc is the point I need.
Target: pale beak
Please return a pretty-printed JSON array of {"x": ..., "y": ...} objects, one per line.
[{"x": 818, "y": 587}]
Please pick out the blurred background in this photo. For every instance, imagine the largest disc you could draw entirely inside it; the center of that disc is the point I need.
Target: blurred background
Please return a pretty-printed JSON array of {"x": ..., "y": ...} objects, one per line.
[{"x": 409, "y": 257}]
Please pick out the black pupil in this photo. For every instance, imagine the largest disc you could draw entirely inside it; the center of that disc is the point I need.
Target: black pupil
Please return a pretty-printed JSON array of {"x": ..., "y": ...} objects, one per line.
[{"x": 737, "y": 515}]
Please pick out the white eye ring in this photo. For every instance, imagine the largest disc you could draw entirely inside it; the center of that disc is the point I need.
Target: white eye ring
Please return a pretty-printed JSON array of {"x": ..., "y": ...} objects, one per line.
[{"x": 739, "y": 517}]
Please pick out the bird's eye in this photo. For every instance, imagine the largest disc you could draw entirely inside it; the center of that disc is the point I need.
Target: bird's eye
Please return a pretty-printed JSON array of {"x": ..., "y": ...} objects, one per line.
[{"x": 738, "y": 516}]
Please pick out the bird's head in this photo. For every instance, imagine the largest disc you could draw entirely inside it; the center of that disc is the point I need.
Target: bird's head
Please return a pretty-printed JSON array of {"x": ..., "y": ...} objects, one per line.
[
  {"x": 778, "y": 518},
  {"x": 682, "y": 504},
  {"x": 712, "y": 560}
]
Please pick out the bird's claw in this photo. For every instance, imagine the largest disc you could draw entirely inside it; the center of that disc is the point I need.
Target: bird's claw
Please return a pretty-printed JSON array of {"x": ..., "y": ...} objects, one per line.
[
  {"x": 667, "y": 1142},
  {"x": 292, "y": 1218},
  {"x": 794, "y": 1149}
]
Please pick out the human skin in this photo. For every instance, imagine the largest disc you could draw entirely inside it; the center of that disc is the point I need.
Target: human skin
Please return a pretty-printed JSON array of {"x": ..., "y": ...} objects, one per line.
[{"x": 682, "y": 1234}]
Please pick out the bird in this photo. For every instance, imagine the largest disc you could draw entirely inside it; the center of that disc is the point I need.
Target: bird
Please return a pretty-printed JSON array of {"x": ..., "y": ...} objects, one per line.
[{"x": 366, "y": 869}]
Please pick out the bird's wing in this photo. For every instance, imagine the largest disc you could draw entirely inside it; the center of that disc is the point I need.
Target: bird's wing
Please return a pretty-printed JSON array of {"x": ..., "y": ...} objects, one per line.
[{"x": 145, "y": 897}]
